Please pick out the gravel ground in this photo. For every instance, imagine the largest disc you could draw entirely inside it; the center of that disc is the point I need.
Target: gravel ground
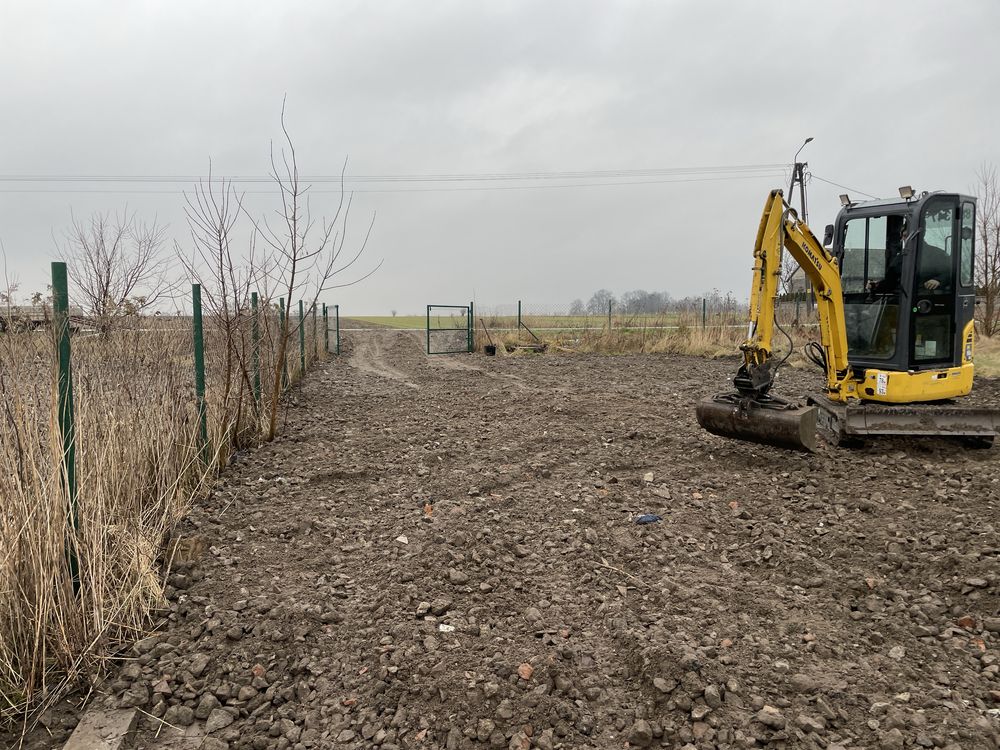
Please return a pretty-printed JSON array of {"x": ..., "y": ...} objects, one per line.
[{"x": 441, "y": 552}]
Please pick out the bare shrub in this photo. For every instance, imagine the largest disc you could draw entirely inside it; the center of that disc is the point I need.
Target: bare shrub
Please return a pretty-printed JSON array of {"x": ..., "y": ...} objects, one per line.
[{"x": 116, "y": 265}]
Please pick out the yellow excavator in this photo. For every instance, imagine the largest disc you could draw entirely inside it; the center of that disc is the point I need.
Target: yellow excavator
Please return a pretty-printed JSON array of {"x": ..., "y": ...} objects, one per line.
[{"x": 894, "y": 288}]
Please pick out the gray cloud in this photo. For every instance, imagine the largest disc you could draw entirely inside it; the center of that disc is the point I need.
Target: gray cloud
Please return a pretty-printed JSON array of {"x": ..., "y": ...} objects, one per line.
[{"x": 893, "y": 92}]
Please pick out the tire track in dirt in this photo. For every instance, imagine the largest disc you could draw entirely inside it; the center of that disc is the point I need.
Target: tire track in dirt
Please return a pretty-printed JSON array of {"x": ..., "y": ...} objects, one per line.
[
  {"x": 369, "y": 356},
  {"x": 459, "y": 363}
]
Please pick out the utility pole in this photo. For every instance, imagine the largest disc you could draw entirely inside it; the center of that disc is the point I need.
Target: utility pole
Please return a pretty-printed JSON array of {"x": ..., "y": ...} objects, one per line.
[{"x": 798, "y": 177}]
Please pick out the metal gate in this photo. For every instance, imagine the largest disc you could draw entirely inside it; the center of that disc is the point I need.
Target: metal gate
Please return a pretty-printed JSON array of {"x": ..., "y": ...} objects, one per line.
[{"x": 449, "y": 329}]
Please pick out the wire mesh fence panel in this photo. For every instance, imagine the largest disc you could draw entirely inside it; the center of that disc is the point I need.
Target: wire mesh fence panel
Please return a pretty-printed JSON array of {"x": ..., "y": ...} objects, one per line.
[
  {"x": 797, "y": 310},
  {"x": 612, "y": 315},
  {"x": 710, "y": 325},
  {"x": 448, "y": 329}
]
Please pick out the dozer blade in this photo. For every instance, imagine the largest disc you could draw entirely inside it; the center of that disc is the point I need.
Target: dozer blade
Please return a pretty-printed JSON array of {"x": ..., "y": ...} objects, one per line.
[{"x": 781, "y": 425}]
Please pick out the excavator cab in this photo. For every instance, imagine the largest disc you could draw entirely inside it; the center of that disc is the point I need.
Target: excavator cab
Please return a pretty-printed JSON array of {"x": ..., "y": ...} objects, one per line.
[{"x": 907, "y": 269}]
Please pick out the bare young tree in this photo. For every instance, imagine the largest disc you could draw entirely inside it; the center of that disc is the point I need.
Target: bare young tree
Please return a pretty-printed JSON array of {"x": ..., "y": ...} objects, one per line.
[
  {"x": 789, "y": 268},
  {"x": 115, "y": 264},
  {"x": 987, "y": 190},
  {"x": 212, "y": 210},
  {"x": 792, "y": 284},
  {"x": 308, "y": 258}
]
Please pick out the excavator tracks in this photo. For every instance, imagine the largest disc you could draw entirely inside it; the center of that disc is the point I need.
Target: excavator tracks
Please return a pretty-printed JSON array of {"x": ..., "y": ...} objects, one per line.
[{"x": 844, "y": 424}]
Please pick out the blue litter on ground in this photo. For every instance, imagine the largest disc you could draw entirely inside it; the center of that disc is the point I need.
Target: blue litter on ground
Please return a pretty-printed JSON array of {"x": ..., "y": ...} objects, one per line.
[{"x": 648, "y": 518}]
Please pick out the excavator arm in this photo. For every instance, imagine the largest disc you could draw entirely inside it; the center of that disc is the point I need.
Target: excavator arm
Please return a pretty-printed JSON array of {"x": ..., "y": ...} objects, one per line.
[
  {"x": 752, "y": 413},
  {"x": 780, "y": 230}
]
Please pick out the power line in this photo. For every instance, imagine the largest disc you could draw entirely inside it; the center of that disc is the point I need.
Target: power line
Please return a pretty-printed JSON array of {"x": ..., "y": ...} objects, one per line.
[
  {"x": 408, "y": 178},
  {"x": 844, "y": 187},
  {"x": 467, "y": 188}
]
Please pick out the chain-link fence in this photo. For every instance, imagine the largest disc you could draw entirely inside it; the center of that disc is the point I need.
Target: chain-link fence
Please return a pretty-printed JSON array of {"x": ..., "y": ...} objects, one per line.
[
  {"x": 709, "y": 325},
  {"x": 533, "y": 321},
  {"x": 109, "y": 429}
]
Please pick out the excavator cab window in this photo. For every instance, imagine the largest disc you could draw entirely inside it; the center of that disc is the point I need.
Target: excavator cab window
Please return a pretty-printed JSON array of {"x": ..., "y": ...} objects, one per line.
[
  {"x": 870, "y": 275},
  {"x": 934, "y": 293},
  {"x": 968, "y": 236}
]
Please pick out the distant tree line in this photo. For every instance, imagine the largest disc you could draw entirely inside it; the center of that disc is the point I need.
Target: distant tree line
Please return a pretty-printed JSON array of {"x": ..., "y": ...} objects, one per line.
[{"x": 641, "y": 302}]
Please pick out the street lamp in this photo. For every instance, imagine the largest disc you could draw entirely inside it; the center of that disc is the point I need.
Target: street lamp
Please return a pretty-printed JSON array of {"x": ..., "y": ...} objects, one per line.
[{"x": 807, "y": 140}]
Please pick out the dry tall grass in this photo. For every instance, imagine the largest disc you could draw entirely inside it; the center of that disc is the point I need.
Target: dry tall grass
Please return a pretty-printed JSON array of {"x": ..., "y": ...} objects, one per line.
[
  {"x": 681, "y": 331},
  {"x": 138, "y": 468},
  {"x": 712, "y": 341},
  {"x": 987, "y": 356}
]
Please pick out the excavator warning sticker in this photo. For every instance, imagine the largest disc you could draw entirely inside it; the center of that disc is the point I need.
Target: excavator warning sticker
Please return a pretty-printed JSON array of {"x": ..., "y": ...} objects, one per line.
[{"x": 882, "y": 383}]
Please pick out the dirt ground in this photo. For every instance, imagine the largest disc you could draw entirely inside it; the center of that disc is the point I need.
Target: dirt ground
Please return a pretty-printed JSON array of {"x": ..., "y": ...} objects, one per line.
[{"x": 442, "y": 552}]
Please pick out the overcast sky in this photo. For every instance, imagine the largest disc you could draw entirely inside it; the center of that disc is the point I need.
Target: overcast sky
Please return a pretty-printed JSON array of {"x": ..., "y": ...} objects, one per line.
[{"x": 894, "y": 93}]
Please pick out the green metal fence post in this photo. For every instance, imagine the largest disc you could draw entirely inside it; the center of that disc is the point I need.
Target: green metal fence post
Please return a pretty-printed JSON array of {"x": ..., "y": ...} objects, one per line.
[
  {"x": 704, "y": 313},
  {"x": 519, "y": 317},
  {"x": 315, "y": 346},
  {"x": 326, "y": 330},
  {"x": 471, "y": 328},
  {"x": 283, "y": 336},
  {"x": 609, "y": 314},
  {"x": 67, "y": 422},
  {"x": 302, "y": 339},
  {"x": 336, "y": 320},
  {"x": 255, "y": 346},
  {"x": 428, "y": 329},
  {"x": 199, "y": 368}
]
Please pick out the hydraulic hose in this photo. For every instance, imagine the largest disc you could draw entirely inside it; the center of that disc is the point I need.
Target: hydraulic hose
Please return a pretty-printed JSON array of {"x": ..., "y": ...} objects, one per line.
[{"x": 816, "y": 354}]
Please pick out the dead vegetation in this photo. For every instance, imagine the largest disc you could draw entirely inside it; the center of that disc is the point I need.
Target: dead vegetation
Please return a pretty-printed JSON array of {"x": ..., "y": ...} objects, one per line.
[
  {"x": 138, "y": 468},
  {"x": 719, "y": 335}
]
